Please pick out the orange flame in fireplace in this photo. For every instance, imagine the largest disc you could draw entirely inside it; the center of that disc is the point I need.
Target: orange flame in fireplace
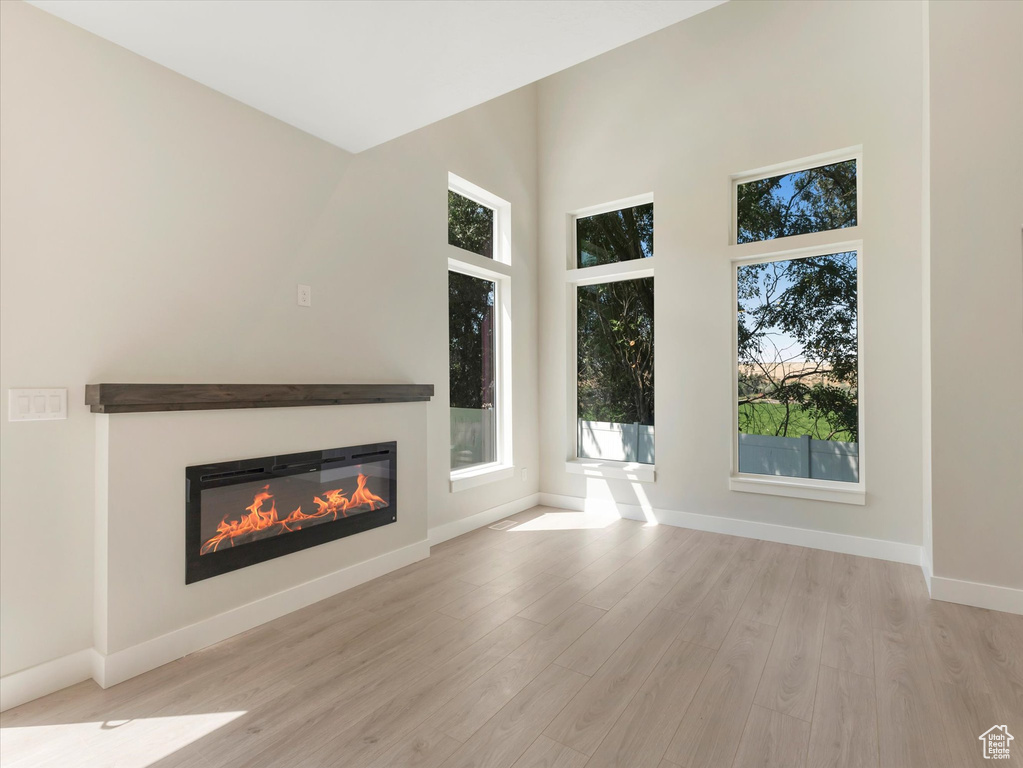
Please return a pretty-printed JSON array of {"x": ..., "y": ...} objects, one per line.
[
  {"x": 259, "y": 519},
  {"x": 364, "y": 496}
]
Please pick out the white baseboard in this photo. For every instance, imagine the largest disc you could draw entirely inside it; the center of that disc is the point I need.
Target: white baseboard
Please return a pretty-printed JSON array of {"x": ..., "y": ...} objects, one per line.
[
  {"x": 976, "y": 594},
  {"x": 114, "y": 668},
  {"x": 20, "y": 687},
  {"x": 123, "y": 665},
  {"x": 578, "y": 504},
  {"x": 120, "y": 666},
  {"x": 971, "y": 593},
  {"x": 784, "y": 534},
  {"x": 111, "y": 669},
  {"x": 108, "y": 670},
  {"x": 442, "y": 533}
]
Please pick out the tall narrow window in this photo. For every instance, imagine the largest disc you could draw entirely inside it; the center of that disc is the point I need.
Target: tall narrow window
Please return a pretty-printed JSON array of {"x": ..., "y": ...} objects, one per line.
[
  {"x": 798, "y": 367},
  {"x": 810, "y": 200},
  {"x": 479, "y": 339},
  {"x": 615, "y": 370},
  {"x": 613, "y": 292},
  {"x": 472, "y": 383},
  {"x": 798, "y": 395}
]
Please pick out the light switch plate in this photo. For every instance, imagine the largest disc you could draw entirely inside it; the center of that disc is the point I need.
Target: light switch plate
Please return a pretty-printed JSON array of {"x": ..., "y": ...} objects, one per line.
[{"x": 36, "y": 404}]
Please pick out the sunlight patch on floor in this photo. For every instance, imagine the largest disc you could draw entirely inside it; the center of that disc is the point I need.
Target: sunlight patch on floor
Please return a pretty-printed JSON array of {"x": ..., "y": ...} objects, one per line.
[
  {"x": 568, "y": 521},
  {"x": 135, "y": 743}
]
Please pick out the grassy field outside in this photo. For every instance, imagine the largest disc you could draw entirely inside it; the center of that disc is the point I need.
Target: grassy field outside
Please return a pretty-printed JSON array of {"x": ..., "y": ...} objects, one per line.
[{"x": 765, "y": 419}]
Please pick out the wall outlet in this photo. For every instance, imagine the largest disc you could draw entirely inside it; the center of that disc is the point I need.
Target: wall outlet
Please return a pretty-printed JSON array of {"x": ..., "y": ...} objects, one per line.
[
  {"x": 36, "y": 404},
  {"x": 524, "y": 474},
  {"x": 305, "y": 296}
]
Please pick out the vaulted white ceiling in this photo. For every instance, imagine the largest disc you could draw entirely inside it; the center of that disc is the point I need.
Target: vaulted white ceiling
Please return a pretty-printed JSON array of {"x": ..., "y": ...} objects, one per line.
[{"x": 360, "y": 72}]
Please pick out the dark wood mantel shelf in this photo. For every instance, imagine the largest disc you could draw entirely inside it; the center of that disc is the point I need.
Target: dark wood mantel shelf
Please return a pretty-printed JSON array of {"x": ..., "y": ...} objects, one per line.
[{"x": 136, "y": 398}]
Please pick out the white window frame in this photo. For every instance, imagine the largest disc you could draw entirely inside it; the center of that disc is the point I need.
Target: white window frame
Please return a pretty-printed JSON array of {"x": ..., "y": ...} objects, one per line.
[
  {"x": 801, "y": 487},
  {"x": 497, "y": 270},
  {"x": 502, "y": 216},
  {"x": 598, "y": 275},
  {"x": 781, "y": 169}
]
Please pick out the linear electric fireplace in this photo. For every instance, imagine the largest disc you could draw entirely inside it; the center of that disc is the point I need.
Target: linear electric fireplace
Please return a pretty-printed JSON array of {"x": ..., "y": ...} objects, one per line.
[{"x": 243, "y": 512}]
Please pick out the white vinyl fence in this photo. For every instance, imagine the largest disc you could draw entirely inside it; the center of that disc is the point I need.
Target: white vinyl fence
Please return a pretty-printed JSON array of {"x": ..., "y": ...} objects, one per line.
[
  {"x": 758, "y": 454},
  {"x": 473, "y": 436},
  {"x": 616, "y": 442},
  {"x": 799, "y": 457}
]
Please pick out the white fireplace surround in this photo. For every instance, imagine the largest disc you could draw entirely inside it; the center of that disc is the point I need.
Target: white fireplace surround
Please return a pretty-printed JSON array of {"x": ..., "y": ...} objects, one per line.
[{"x": 144, "y": 613}]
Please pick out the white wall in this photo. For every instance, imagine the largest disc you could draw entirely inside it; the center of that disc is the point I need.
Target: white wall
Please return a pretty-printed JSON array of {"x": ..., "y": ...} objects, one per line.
[
  {"x": 154, "y": 230},
  {"x": 743, "y": 86},
  {"x": 976, "y": 240}
]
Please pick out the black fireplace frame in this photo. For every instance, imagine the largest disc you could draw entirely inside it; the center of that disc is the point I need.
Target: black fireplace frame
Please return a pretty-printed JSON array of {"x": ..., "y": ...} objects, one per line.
[{"x": 205, "y": 476}]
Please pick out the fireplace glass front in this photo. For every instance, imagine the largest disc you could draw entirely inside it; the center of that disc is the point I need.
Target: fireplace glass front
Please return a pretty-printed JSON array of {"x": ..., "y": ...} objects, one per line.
[{"x": 243, "y": 512}]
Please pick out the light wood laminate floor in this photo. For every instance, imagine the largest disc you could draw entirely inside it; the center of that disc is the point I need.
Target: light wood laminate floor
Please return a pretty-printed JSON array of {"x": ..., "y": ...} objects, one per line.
[{"x": 550, "y": 644}]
